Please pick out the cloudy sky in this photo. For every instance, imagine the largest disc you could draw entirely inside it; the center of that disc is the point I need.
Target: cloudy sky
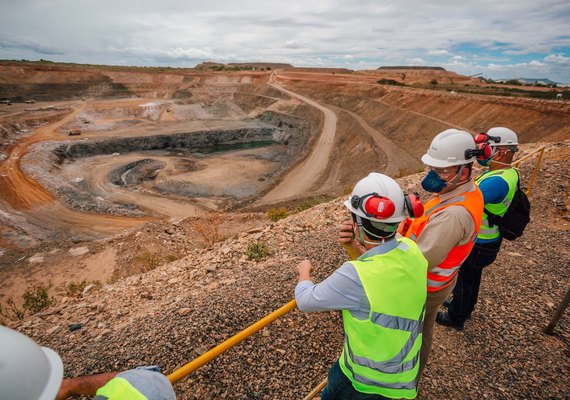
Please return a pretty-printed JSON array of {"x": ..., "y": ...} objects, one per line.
[{"x": 497, "y": 38}]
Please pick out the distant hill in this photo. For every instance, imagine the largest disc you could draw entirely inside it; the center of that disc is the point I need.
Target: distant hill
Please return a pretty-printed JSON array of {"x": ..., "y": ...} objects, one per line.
[
  {"x": 535, "y": 80},
  {"x": 261, "y": 65},
  {"x": 241, "y": 66},
  {"x": 412, "y": 67}
]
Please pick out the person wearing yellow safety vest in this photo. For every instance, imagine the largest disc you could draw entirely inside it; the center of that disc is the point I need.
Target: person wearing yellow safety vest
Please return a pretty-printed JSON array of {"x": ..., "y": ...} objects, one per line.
[
  {"x": 31, "y": 372},
  {"x": 498, "y": 186},
  {"x": 382, "y": 297}
]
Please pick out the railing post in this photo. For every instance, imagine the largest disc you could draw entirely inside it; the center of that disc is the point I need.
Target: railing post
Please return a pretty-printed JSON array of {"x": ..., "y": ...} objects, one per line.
[
  {"x": 535, "y": 171},
  {"x": 558, "y": 314}
]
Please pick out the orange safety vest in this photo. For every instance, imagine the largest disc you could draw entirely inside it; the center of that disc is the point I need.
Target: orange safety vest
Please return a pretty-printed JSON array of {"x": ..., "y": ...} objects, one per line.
[{"x": 442, "y": 276}]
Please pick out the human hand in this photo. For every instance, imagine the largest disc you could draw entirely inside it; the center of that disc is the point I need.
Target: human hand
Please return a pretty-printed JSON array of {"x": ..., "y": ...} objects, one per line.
[
  {"x": 345, "y": 232},
  {"x": 404, "y": 226},
  {"x": 346, "y": 239},
  {"x": 304, "y": 268}
]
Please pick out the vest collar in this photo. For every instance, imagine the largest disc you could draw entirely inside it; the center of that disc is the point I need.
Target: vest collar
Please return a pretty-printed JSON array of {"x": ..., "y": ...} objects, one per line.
[
  {"x": 466, "y": 187},
  {"x": 380, "y": 249}
]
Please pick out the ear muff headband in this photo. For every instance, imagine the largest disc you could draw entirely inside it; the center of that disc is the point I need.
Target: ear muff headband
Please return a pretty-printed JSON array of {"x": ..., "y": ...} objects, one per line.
[
  {"x": 414, "y": 206},
  {"x": 374, "y": 206},
  {"x": 484, "y": 138}
]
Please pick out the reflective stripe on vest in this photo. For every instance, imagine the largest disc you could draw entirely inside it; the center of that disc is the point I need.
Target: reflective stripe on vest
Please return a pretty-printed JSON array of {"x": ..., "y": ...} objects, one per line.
[
  {"x": 119, "y": 389},
  {"x": 511, "y": 177},
  {"x": 443, "y": 275},
  {"x": 381, "y": 353},
  {"x": 396, "y": 364}
]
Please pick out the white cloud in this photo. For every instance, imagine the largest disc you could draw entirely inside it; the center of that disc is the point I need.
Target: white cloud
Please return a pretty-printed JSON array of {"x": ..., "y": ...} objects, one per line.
[
  {"x": 416, "y": 61},
  {"x": 557, "y": 59},
  {"x": 438, "y": 52},
  {"x": 535, "y": 64},
  {"x": 181, "y": 33},
  {"x": 292, "y": 44}
]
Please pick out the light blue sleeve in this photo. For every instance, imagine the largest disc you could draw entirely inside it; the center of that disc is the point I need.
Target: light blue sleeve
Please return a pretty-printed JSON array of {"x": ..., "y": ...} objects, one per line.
[
  {"x": 341, "y": 291},
  {"x": 150, "y": 383},
  {"x": 494, "y": 189}
]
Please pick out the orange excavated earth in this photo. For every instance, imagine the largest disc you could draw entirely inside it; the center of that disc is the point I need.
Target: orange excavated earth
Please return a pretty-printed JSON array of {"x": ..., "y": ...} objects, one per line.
[
  {"x": 20, "y": 192},
  {"x": 385, "y": 127}
]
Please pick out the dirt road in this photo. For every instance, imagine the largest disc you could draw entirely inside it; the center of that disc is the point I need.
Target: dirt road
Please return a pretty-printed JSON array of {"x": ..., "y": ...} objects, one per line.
[
  {"x": 304, "y": 176},
  {"x": 399, "y": 160}
]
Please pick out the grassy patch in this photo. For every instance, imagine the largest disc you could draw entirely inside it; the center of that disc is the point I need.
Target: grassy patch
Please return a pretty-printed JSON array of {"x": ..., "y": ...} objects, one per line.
[
  {"x": 209, "y": 228},
  {"x": 256, "y": 250},
  {"x": 275, "y": 214},
  {"x": 11, "y": 312},
  {"x": 37, "y": 299},
  {"x": 392, "y": 82},
  {"x": 148, "y": 260},
  {"x": 74, "y": 289}
]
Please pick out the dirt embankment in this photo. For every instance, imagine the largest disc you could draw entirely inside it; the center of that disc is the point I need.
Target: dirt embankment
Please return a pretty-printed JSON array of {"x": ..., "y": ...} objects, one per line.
[
  {"x": 172, "y": 314},
  {"x": 411, "y": 117},
  {"x": 23, "y": 81}
]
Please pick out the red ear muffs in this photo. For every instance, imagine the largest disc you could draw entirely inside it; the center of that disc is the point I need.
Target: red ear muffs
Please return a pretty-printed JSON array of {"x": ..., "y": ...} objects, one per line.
[
  {"x": 486, "y": 151},
  {"x": 374, "y": 205},
  {"x": 484, "y": 138},
  {"x": 413, "y": 205},
  {"x": 483, "y": 152},
  {"x": 481, "y": 138}
]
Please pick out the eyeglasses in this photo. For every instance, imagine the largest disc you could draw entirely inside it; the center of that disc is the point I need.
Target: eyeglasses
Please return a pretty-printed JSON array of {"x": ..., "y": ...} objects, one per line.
[{"x": 443, "y": 171}]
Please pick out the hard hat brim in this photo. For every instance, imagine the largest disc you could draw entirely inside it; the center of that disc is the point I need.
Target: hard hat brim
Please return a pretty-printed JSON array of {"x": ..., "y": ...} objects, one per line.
[
  {"x": 56, "y": 375},
  {"x": 434, "y": 162}
]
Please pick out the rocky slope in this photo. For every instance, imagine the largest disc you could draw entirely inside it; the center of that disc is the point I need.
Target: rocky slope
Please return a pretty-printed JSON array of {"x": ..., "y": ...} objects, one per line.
[{"x": 170, "y": 315}]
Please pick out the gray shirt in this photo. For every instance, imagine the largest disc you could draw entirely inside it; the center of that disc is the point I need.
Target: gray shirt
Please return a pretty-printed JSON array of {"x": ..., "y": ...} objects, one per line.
[{"x": 342, "y": 290}]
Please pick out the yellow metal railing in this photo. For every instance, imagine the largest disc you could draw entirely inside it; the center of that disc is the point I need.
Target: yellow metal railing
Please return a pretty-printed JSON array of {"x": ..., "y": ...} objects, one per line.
[{"x": 534, "y": 172}]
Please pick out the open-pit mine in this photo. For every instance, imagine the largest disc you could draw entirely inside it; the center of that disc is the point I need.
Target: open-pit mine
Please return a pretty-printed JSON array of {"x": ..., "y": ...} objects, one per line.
[
  {"x": 148, "y": 214},
  {"x": 101, "y": 150}
]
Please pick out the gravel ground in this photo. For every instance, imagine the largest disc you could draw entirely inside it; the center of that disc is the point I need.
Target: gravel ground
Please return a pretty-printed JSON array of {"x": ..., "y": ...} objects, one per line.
[{"x": 172, "y": 314}]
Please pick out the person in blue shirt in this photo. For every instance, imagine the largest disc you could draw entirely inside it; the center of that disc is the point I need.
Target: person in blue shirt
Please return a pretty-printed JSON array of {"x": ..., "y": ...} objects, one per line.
[{"x": 498, "y": 186}]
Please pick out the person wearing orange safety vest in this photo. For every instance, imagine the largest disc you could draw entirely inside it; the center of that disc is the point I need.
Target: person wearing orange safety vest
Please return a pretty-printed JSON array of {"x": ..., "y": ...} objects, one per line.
[
  {"x": 448, "y": 229},
  {"x": 28, "y": 371},
  {"x": 498, "y": 186}
]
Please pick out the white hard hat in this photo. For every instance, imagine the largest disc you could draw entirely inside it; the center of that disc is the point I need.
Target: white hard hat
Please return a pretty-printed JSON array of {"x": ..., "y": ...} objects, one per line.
[
  {"x": 448, "y": 149},
  {"x": 27, "y": 371},
  {"x": 380, "y": 185},
  {"x": 507, "y": 137}
]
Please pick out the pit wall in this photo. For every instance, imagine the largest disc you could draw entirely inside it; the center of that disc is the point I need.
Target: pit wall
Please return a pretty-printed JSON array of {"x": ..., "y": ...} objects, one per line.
[
  {"x": 412, "y": 117},
  {"x": 187, "y": 141},
  {"x": 21, "y": 81}
]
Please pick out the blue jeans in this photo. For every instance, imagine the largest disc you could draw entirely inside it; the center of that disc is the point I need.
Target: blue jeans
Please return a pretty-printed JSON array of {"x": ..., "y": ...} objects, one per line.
[{"x": 340, "y": 387}]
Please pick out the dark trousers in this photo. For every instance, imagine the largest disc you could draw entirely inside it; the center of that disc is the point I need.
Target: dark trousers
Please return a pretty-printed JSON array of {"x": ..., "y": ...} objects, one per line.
[
  {"x": 339, "y": 387},
  {"x": 466, "y": 289}
]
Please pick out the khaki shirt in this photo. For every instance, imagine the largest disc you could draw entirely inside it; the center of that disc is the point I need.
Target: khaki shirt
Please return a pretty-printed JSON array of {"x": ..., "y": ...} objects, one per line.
[{"x": 446, "y": 229}]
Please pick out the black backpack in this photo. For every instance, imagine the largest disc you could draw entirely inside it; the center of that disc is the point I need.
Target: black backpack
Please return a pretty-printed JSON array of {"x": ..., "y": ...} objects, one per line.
[{"x": 512, "y": 224}]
